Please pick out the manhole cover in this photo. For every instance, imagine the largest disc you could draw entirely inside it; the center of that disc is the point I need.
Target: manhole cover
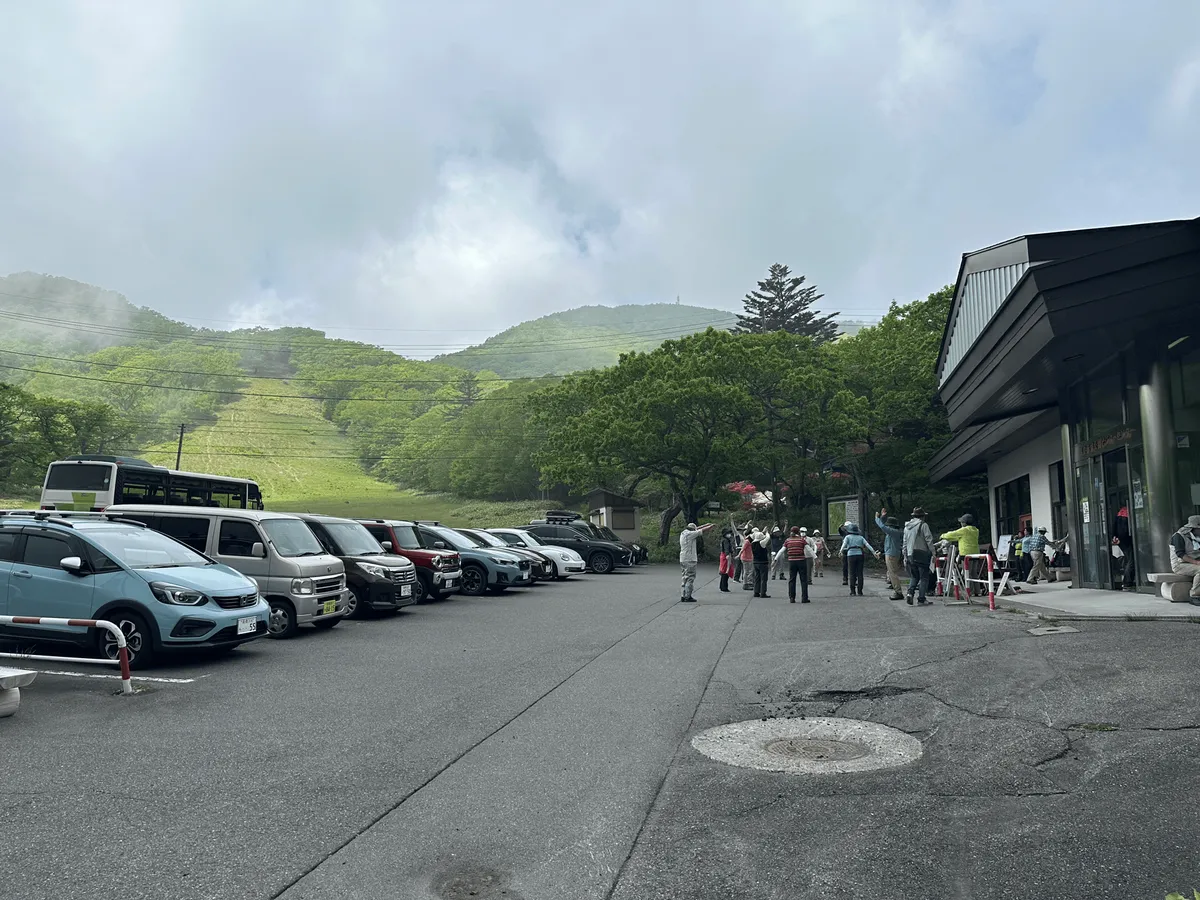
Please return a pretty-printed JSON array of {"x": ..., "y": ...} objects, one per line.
[
  {"x": 810, "y": 746},
  {"x": 806, "y": 748}
]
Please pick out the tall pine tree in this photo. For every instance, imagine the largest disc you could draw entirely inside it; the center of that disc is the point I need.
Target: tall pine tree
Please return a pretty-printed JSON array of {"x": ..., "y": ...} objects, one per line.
[{"x": 782, "y": 303}]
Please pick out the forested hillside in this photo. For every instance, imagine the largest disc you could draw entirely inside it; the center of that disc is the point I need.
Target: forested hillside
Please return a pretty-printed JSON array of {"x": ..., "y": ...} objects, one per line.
[{"x": 589, "y": 337}]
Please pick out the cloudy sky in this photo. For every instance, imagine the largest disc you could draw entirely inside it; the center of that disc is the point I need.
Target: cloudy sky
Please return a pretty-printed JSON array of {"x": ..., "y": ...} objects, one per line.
[{"x": 444, "y": 170}]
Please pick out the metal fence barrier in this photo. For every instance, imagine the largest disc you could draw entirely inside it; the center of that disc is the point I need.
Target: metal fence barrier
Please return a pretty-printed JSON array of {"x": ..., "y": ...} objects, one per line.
[{"x": 122, "y": 659}]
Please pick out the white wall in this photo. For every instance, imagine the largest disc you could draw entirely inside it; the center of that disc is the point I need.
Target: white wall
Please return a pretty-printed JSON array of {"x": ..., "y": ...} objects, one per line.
[{"x": 1033, "y": 459}]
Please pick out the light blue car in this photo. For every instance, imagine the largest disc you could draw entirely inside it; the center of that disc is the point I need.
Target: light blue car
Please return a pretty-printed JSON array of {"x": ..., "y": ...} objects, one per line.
[{"x": 163, "y": 594}]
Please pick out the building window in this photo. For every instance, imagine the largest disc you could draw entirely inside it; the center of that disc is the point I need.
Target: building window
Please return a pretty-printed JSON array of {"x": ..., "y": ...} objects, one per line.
[
  {"x": 1013, "y": 506},
  {"x": 1058, "y": 501},
  {"x": 1185, "y": 412}
]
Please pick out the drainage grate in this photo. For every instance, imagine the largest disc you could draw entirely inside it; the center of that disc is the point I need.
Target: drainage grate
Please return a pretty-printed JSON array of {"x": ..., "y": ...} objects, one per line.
[
  {"x": 816, "y": 749},
  {"x": 809, "y": 746}
]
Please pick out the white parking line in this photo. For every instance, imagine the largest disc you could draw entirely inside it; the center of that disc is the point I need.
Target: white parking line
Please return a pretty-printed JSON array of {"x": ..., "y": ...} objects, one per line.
[{"x": 118, "y": 677}]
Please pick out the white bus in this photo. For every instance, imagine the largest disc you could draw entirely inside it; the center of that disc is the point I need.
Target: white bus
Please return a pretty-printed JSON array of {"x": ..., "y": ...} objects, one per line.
[{"x": 93, "y": 483}]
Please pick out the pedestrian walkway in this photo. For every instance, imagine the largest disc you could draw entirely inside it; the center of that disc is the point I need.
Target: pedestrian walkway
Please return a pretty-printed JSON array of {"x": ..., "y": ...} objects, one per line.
[{"x": 1058, "y": 600}]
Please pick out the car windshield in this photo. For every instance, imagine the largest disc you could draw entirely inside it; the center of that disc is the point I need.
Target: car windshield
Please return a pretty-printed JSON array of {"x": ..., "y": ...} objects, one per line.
[
  {"x": 489, "y": 539},
  {"x": 407, "y": 537},
  {"x": 475, "y": 540},
  {"x": 453, "y": 539},
  {"x": 351, "y": 539},
  {"x": 291, "y": 537},
  {"x": 528, "y": 537},
  {"x": 609, "y": 534},
  {"x": 143, "y": 548}
]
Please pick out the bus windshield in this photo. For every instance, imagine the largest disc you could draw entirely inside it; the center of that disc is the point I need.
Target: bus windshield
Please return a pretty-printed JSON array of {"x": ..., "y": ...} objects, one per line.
[{"x": 69, "y": 476}]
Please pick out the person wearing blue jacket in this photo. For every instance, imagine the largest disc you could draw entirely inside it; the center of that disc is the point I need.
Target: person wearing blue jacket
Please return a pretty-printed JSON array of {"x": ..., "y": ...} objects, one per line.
[
  {"x": 893, "y": 552},
  {"x": 854, "y": 545}
]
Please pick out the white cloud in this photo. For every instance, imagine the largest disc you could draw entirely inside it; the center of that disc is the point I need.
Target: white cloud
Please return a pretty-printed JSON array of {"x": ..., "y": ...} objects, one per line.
[{"x": 469, "y": 165}]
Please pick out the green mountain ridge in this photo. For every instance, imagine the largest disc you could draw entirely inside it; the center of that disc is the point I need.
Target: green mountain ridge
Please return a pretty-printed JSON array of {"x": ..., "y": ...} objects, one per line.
[{"x": 587, "y": 337}]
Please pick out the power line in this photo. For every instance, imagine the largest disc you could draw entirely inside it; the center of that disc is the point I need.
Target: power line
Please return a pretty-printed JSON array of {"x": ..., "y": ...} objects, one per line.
[
  {"x": 194, "y": 390},
  {"x": 244, "y": 377}
]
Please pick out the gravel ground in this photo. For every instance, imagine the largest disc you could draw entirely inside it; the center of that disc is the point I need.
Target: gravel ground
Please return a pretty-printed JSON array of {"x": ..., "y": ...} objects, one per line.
[{"x": 538, "y": 745}]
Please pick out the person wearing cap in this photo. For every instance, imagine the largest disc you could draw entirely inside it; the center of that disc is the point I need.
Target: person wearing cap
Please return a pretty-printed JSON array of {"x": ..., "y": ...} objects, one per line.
[
  {"x": 1185, "y": 555},
  {"x": 689, "y": 558},
  {"x": 1035, "y": 546},
  {"x": 967, "y": 537},
  {"x": 776, "y": 546},
  {"x": 854, "y": 546},
  {"x": 893, "y": 551},
  {"x": 918, "y": 555},
  {"x": 812, "y": 558},
  {"x": 798, "y": 550},
  {"x": 760, "y": 554},
  {"x": 822, "y": 553}
]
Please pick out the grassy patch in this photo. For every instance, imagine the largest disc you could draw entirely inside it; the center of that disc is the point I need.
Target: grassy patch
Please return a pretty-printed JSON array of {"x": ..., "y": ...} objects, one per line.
[{"x": 285, "y": 445}]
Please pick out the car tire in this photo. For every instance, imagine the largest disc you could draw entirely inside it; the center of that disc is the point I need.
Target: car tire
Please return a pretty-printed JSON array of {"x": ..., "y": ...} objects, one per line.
[
  {"x": 601, "y": 562},
  {"x": 356, "y": 606},
  {"x": 326, "y": 624},
  {"x": 474, "y": 581},
  {"x": 281, "y": 620},
  {"x": 139, "y": 642},
  {"x": 423, "y": 589}
]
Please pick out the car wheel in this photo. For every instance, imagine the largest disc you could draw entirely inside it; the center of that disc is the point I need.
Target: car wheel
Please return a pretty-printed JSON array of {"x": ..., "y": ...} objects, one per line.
[
  {"x": 356, "y": 606},
  {"x": 601, "y": 563},
  {"x": 326, "y": 624},
  {"x": 138, "y": 643},
  {"x": 423, "y": 589},
  {"x": 281, "y": 623},
  {"x": 474, "y": 581}
]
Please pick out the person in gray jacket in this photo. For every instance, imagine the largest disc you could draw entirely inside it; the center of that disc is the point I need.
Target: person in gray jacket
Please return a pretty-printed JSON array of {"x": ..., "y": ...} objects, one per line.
[
  {"x": 918, "y": 554},
  {"x": 689, "y": 559}
]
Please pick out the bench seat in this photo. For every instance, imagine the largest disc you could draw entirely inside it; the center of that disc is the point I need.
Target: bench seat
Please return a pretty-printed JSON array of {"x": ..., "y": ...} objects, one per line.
[
  {"x": 11, "y": 682},
  {"x": 1176, "y": 588}
]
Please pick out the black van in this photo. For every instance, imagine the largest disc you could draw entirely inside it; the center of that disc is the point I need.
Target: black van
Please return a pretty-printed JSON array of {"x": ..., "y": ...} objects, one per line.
[{"x": 378, "y": 581}]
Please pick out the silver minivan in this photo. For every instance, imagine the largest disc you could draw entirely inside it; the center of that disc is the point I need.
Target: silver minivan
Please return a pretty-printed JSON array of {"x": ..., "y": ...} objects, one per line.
[{"x": 300, "y": 581}]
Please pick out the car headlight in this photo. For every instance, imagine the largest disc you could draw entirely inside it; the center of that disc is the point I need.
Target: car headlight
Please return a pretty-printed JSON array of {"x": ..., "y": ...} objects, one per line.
[
  {"x": 176, "y": 595},
  {"x": 501, "y": 561},
  {"x": 302, "y": 586},
  {"x": 373, "y": 570},
  {"x": 436, "y": 562}
]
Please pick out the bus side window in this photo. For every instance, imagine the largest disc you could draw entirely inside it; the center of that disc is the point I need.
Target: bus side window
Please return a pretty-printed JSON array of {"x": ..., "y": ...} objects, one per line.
[
  {"x": 227, "y": 496},
  {"x": 139, "y": 487}
]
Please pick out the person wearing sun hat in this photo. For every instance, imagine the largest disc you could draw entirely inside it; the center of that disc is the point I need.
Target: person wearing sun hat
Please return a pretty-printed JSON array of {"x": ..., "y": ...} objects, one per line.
[
  {"x": 822, "y": 551},
  {"x": 1185, "y": 555}
]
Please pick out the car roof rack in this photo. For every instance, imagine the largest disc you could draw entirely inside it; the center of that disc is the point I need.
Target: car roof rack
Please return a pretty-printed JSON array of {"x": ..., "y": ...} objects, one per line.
[
  {"x": 63, "y": 516},
  {"x": 429, "y": 522}
]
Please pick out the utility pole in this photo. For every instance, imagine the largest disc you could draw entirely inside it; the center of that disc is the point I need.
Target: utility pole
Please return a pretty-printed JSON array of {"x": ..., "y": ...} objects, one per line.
[{"x": 179, "y": 452}]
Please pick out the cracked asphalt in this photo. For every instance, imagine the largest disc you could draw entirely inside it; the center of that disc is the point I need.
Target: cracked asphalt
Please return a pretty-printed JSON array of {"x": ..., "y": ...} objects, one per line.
[{"x": 537, "y": 745}]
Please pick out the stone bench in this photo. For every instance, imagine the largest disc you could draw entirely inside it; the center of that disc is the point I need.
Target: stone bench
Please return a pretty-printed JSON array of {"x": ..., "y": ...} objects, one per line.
[
  {"x": 1176, "y": 588},
  {"x": 11, "y": 682}
]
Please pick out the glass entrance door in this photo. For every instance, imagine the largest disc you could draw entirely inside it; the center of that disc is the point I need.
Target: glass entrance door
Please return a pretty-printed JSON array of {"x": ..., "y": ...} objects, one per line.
[{"x": 1121, "y": 520}]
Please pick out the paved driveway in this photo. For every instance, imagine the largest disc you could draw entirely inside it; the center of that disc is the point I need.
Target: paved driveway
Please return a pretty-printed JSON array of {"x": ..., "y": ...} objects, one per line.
[{"x": 536, "y": 745}]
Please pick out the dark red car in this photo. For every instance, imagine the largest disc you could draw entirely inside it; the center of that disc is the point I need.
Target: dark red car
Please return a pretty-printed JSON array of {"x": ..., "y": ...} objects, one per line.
[{"x": 438, "y": 571}]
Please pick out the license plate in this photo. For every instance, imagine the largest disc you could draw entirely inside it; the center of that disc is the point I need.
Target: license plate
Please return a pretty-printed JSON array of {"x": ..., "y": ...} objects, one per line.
[
  {"x": 451, "y": 582},
  {"x": 329, "y": 607},
  {"x": 406, "y": 590},
  {"x": 247, "y": 625}
]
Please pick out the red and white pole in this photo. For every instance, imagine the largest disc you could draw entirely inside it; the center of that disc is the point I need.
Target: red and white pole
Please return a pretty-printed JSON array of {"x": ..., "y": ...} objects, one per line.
[
  {"x": 122, "y": 648},
  {"x": 991, "y": 582}
]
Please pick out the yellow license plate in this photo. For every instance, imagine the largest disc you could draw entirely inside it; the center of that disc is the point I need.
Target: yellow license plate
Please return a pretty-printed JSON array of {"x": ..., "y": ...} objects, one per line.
[{"x": 328, "y": 607}]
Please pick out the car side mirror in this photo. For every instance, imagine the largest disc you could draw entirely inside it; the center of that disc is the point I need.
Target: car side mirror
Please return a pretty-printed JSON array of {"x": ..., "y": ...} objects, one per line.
[
  {"x": 258, "y": 550},
  {"x": 439, "y": 545},
  {"x": 387, "y": 545},
  {"x": 72, "y": 564}
]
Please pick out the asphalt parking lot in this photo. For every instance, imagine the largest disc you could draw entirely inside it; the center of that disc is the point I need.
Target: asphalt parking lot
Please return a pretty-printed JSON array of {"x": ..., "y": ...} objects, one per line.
[{"x": 536, "y": 745}]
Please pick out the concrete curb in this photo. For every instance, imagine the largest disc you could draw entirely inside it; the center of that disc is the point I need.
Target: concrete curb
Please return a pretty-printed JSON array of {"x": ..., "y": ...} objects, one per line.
[{"x": 1049, "y": 613}]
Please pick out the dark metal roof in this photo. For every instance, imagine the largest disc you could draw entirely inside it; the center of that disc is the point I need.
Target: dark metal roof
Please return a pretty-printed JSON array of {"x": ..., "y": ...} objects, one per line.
[{"x": 1044, "y": 247}]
